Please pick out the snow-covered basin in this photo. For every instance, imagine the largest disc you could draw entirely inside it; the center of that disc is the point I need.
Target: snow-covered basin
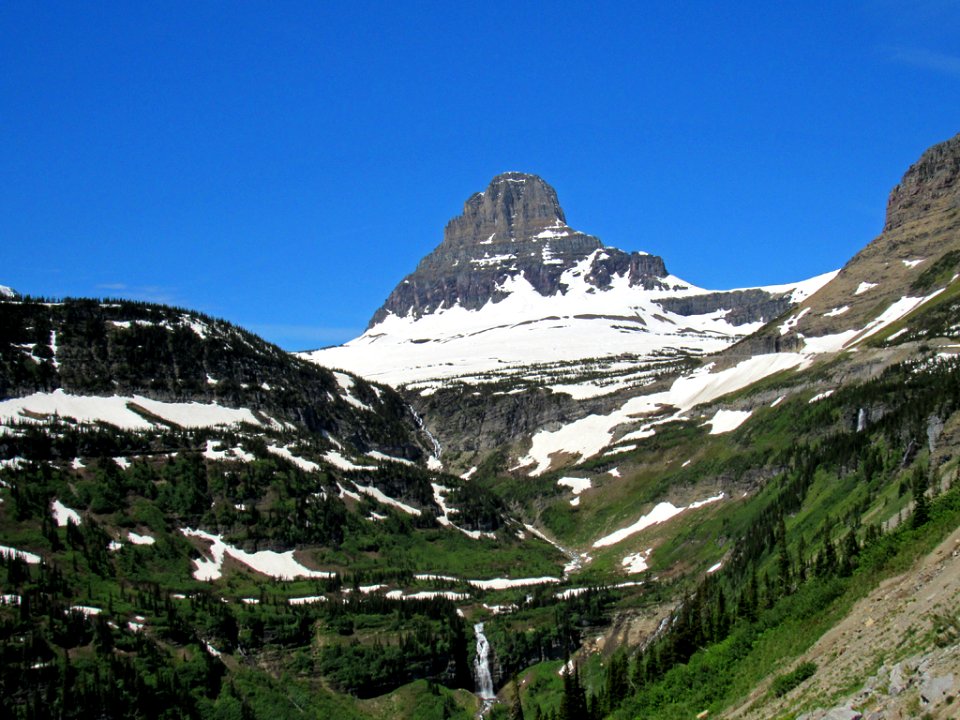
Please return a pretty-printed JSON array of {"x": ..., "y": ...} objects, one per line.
[
  {"x": 524, "y": 328},
  {"x": 280, "y": 565}
]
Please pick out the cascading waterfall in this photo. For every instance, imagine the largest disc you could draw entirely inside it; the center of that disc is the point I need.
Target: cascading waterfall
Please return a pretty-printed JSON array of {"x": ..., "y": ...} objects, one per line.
[
  {"x": 481, "y": 665},
  {"x": 861, "y": 420},
  {"x": 423, "y": 428}
]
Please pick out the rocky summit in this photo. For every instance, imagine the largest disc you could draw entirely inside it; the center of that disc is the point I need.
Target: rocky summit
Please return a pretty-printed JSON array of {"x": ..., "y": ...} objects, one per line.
[{"x": 515, "y": 227}]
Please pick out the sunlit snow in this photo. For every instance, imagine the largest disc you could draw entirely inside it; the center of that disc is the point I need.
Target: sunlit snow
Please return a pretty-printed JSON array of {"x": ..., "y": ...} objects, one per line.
[
  {"x": 275, "y": 564},
  {"x": 63, "y": 515},
  {"x": 727, "y": 420},
  {"x": 660, "y": 513}
]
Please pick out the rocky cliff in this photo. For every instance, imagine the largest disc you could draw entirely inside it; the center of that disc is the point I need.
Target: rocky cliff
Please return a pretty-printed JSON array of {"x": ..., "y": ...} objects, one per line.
[{"x": 514, "y": 227}]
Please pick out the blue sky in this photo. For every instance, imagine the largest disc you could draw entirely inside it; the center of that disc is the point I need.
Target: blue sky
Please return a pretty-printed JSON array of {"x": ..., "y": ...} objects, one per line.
[{"x": 284, "y": 165}]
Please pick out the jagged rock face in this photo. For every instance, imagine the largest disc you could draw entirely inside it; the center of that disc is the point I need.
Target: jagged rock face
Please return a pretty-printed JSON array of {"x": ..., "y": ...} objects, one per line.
[
  {"x": 743, "y": 306},
  {"x": 930, "y": 180},
  {"x": 515, "y": 227}
]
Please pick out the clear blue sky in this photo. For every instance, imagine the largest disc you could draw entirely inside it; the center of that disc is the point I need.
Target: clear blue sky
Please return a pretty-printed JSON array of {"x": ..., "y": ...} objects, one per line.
[{"x": 284, "y": 165}]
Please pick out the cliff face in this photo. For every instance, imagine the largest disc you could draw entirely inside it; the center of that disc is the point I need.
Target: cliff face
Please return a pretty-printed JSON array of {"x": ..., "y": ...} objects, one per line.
[
  {"x": 917, "y": 252},
  {"x": 515, "y": 227}
]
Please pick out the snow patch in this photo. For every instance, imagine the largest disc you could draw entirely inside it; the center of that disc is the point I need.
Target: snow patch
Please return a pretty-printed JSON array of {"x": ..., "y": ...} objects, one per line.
[
  {"x": 660, "y": 513},
  {"x": 62, "y": 514},
  {"x": 28, "y": 557},
  {"x": 577, "y": 485},
  {"x": 305, "y": 465},
  {"x": 637, "y": 562},
  {"x": 138, "y": 539},
  {"x": 727, "y": 420},
  {"x": 864, "y": 287},
  {"x": 278, "y": 565}
]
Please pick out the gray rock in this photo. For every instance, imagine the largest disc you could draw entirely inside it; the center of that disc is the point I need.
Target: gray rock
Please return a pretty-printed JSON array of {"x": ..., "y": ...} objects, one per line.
[
  {"x": 516, "y": 227},
  {"x": 935, "y": 689},
  {"x": 898, "y": 681},
  {"x": 843, "y": 713}
]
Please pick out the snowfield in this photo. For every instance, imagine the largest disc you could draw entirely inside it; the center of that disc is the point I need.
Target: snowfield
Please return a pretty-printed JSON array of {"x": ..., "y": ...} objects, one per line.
[
  {"x": 526, "y": 328},
  {"x": 120, "y": 411},
  {"x": 278, "y": 565}
]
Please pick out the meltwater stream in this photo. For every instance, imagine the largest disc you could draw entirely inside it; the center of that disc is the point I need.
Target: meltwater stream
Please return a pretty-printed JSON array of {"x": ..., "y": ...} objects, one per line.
[{"x": 481, "y": 667}]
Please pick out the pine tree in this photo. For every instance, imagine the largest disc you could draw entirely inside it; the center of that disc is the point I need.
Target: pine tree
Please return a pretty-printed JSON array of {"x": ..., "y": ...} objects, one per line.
[{"x": 918, "y": 484}]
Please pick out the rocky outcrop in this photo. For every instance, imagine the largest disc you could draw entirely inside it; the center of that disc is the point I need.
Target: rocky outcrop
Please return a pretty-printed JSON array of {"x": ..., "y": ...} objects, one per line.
[
  {"x": 742, "y": 306},
  {"x": 930, "y": 182},
  {"x": 515, "y": 227}
]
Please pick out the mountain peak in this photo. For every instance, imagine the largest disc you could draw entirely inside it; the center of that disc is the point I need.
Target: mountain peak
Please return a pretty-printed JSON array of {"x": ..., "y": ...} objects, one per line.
[
  {"x": 515, "y": 205},
  {"x": 930, "y": 184},
  {"x": 513, "y": 229}
]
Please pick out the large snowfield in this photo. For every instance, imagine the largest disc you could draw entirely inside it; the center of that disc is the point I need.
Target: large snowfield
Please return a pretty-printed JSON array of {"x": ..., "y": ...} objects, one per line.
[{"x": 526, "y": 328}]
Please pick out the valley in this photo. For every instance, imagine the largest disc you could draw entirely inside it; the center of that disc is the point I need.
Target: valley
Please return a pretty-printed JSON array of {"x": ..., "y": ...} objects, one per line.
[{"x": 550, "y": 480}]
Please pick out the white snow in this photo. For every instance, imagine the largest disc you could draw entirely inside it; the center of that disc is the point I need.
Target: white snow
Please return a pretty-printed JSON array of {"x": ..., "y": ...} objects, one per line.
[
  {"x": 615, "y": 472},
  {"x": 526, "y": 328},
  {"x": 588, "y": 436},
  {"x": 713, "y": 568},
  {"x": 339, "y": 461},
  {"x": 236, "y": 453},
  {"x": 116, "y": 410},
  {"x": 86, "y": 610},
  {"x": 727, "y": 420},
  {"x": 278, "y": 565},
  {"x": 28, "y": 557},
  {"x": 912, "y": 263},
  {"x": 346, "y": 384},
  {"x": 430, "y": 595},
  {"x": 308, "y": 600},
  {"x": 777, "y": 401},
  {"x": 661, "y": 513},
  {"x": 792, "y": 321},
  {"x": 378, "y": 495},
  {"x": 285, "y": 453},
  {"x": 837, "y": 311},
  {"x": 138, "y": 539},
  {"x": 637, "y": 562},
  {"x": 578, "y": 485},
  {"x": 77, "y": 464},
  {"x": 864, "y": 287},
  {"x": 575, "y": 502},
  {"x": 505, "y": 583},
  {"x": 377, "y": 455},
  {"x": 820, "y": 396},
  {"x": 62, "y": 514}
]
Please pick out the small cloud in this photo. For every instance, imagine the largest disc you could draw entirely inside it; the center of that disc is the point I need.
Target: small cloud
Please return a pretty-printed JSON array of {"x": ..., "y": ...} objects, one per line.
[
  {"x": 112, "y": 286},
  {"x": 928, "y": 60}
]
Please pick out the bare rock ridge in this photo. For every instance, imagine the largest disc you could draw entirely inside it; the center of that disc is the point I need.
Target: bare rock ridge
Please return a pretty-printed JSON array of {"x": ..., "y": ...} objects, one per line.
[
  {"x": 918, "y": 251},
  {"x": 515, "y": 227},
  {"x": 930, "y": 183}
]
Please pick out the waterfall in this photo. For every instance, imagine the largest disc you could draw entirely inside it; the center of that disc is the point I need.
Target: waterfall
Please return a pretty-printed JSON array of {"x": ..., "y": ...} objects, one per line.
[
  {"x": 861, "y": 420},
  {"x": 481, "y": 665},
  {"x": 436, "y": 443}
]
